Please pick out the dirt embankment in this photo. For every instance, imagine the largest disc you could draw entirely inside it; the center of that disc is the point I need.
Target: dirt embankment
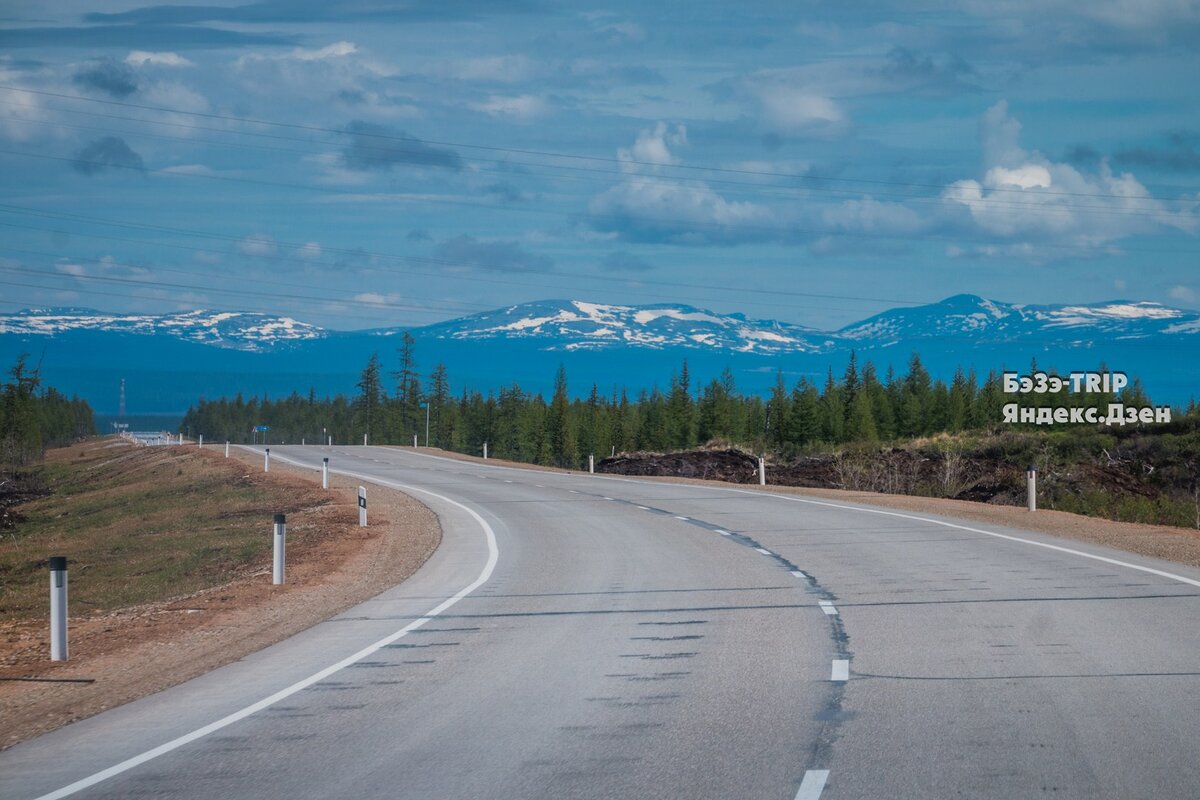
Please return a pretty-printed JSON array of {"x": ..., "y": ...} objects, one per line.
[{"x": 121, "y": 651}]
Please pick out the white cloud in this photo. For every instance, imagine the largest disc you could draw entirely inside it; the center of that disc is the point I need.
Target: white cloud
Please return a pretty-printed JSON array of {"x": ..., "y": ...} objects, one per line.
[
  {"x": 137, "y": 58},
  {"x": 496, "y": 69},
  {"x": 650, "y": 206},
  {"x": 797, "y": 110},
  {"x": 377, "y": 299},
  {"x": 1183, "y": 294},
  {"x": 28, "y": 108},
  {"x": 311, "y": 251},
  {"x": 522, "y": 108},
  {"x": 70, "y": 268},
  {"x": 870, "y": 215},
  {"x": 654, "y": 146},
  {"x": 1026, "y": 196},
  {"x": 258, "y": 244}
]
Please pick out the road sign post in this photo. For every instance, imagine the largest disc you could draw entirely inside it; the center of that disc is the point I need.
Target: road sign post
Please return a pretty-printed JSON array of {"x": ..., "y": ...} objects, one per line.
[
  {"x": 279, "y": 550},
  {"x": 58, "y": 608},
  {"x": 1031, "y": 487},
  {"x": 362, "y": 506}
]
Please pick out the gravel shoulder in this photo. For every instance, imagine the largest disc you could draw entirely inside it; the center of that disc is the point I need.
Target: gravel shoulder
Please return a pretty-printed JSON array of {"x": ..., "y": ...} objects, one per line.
[{"x": 120, "y": 656}]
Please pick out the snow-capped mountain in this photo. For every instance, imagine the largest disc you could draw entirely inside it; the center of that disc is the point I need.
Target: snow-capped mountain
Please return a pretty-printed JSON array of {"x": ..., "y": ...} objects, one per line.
[
  {"x": 969, "y": 317},
  {"x": 575, "y": 325},
  {"x": 237, "y": 330},
  {"x": 171, "y": 360}
]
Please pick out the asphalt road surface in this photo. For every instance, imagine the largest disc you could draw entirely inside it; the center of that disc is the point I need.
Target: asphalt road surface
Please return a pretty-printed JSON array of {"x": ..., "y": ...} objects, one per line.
[{"x": 585, "y": 636}]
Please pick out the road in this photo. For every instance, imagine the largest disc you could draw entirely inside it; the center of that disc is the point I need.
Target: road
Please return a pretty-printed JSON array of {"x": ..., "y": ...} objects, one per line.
[{"x": 585, "y": 636}]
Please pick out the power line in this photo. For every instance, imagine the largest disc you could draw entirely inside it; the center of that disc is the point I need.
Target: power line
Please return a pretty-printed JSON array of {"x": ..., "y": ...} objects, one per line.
[
  {"x": 423, "y": 259},
  {"x": 679, "y": 224},
  {"x": 541, "y": 153},
  {"x": 741, "y": 188}
]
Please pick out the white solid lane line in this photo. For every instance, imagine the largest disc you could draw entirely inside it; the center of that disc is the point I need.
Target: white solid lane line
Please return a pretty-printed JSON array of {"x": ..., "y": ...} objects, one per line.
[
  {"x": 840, "y": 671},
  {"x": 813, "y": 784},
  {"x": 212, "y": 727},
  {"x": 828, "y": 607}
]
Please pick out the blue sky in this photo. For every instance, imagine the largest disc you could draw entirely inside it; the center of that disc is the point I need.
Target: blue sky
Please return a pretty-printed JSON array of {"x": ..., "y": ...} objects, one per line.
[{"x": 362, "y": 164}]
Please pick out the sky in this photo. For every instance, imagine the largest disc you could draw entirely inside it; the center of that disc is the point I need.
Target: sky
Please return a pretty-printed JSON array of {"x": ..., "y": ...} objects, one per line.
[{"x": 363, "y": 164}]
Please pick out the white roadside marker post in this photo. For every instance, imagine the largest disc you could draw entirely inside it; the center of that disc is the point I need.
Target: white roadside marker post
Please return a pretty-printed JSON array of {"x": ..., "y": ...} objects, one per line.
[
  {"x": 762, "y": 471},
  {"x": 325, "y": 473},
  {"x": 280, "y": 539},
  {"x": 302, "y": 441},
  {"x": 330, "y": 441},
  {"x": 1031, "y": 487},
  {"x": 181, "y": 438},
  {"x": 227, "y": 449},
  {"x": 364, "y": 440},
  {"x": 414, "y": 441},
  {"x": 362, "y": 506},
  {"x": 591, "y": 463},
  {"x": 267, "y": 460},
  {"x": 485, "y": 451},
  {"x": 58, "y": 608},
  {"x": 202, "y": 440}
]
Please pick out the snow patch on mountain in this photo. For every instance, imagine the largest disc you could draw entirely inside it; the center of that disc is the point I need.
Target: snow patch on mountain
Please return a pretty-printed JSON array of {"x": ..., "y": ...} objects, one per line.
[{"x": 237, "y": 330}]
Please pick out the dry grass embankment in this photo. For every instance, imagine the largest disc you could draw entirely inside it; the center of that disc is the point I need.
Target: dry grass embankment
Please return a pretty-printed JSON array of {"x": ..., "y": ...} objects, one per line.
[{"x": 169, "y": 553}]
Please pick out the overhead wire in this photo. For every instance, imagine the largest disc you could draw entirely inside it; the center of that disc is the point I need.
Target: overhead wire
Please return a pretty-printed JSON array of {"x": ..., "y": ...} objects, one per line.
[
  {"x": 528, "y": 151},
  {"x": 739, "y": 188}
]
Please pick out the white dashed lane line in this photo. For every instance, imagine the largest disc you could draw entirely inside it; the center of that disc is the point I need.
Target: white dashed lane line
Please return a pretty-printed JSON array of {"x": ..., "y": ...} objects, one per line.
[
  {"x": 764, "y": 552},
  {"x": 840, "y": 671},
  {"x": 685, "y": 519},
  {"x": 799, "y": 574},
  {"x": 813, "y": 784},
  {"x": 828, "y": 608}
]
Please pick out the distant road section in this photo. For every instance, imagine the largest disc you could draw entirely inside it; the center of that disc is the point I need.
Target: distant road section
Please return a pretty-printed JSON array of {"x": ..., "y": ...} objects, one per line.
[{"x": 585, "y": 636}]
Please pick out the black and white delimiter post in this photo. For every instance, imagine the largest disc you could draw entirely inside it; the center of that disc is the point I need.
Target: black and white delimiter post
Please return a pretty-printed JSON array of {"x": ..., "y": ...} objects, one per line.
[
  {"x": 202, "y": 440},
  {"x": 485, "y": 451},
  {"x": 279, "y": 550},
  {"x": 1031, "y": 484},
  {"x": 362, "y": 506},
  {"x": 325, "y": 473},
  {"x": 227, "y": 449},
  {"x": 58, "y": 608},
  {"x": 762, "y": 471},
  {"x": 267, "y": 460},
  {"x": 591, "y": 463}
]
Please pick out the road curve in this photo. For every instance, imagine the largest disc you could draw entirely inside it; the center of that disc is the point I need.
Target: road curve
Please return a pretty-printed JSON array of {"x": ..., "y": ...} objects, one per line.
[{"x": 592, "y": 637}]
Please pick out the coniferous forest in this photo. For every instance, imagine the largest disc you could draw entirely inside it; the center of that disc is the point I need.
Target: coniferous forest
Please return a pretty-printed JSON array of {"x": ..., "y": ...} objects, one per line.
[
  {"x": 32, "y": 418},
  {"x": 857, "y": 406}
]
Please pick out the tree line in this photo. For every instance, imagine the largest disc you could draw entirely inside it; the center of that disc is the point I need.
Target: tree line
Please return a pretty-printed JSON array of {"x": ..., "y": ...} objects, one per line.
[
  {"x": 32, "y": 418},
  {"x": 858, "y": 405}
]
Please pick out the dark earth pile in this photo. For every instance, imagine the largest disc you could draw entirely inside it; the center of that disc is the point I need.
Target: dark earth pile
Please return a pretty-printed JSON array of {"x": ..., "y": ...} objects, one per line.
[
  {"x": 1139, "y": 479},
  {"x": 17, "y": 488}
]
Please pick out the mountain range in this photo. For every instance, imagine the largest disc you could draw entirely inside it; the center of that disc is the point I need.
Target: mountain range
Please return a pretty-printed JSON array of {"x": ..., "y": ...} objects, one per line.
[{"x": 169, "y": 360}]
